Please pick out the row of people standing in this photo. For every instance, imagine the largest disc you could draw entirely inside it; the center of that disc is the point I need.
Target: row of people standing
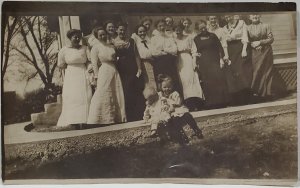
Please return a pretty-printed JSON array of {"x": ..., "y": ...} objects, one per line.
[{"x": 128, "y": 65}]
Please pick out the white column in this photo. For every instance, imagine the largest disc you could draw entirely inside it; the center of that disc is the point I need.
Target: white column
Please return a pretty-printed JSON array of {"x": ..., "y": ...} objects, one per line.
[
  {"x": 65, "y": 24},
  {"x": 75, "y": 23}
]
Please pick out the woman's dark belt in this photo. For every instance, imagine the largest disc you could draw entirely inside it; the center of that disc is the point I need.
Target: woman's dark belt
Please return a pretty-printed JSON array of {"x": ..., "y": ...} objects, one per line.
[{"x": 234, "y": 41}]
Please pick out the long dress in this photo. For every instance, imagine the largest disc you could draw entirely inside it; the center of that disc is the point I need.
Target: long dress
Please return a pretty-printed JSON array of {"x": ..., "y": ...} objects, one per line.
[
  {"x": 132, "y": 86},
  {"x": 262, "y": 59},
  {"x": 239, "y": 73},
  {"x": 107, "y": 104},
  {"x": 188, "y": 77},
  {"x": 212, "y": 76},
  {"x": 76, "y": 92},
  {"x": 145, "y": 54},
  {"x": 164, "y": 52}
]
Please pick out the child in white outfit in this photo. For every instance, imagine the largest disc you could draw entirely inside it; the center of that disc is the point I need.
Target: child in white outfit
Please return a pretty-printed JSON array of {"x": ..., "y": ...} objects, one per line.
[{"x": 158, "y": 111}]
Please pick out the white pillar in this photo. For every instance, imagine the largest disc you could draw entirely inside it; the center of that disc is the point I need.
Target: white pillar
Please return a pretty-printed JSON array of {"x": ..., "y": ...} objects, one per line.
[
  {"x": 65, "y": 24},
  {"x": 75, "y": 23}
]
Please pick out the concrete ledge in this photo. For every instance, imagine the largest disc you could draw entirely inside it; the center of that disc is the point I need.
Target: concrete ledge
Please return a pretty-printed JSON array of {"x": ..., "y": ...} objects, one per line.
[{"x": 14, "y": 134}]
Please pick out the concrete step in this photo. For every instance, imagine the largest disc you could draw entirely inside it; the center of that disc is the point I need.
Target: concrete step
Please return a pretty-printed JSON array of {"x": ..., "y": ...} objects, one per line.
[{"x": 51, "y": 107}]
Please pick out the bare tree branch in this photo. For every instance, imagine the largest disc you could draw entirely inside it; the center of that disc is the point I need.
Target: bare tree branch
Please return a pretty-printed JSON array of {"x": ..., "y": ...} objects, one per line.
[
  {"x": 10, "y": 32},
  {"x": 44, "y": 59},
  {"x": 23, "y": 54},
  {"x": 40, "y": 33},
  {"x": 34, "y": 62}
]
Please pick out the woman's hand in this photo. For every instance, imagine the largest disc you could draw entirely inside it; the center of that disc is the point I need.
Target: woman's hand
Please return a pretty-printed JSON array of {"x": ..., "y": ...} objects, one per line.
[
  {"x": 197, "y": 55},
  {"x": 226, "y": 60},
  {"x": 94, "y": 82},
  {"x": 255, "y": 44},
  {"x": 139, "y": 72},
  {"x": 222, "y": 63},
  {"x": 195, "y": 66},
  {"x": 244, "y": 53}
]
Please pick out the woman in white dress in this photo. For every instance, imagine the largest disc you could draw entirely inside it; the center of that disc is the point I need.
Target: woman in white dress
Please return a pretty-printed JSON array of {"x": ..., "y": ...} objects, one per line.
[
  {"x": 107, "y": 104},
  {"x": 76, "y": 93},
  {"x": 192, "y": 91}
]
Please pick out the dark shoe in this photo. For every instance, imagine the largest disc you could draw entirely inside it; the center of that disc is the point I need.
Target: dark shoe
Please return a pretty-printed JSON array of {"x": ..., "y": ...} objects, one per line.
[
  {"x": 153, "y": 134},
  {"x": 199, "y": 134}
]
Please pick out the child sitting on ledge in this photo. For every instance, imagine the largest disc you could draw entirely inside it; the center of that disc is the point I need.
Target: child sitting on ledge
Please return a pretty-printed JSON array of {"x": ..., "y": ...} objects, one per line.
[
  {"x": 180, "y": 114},
  {"x": 158, "y": 111}
]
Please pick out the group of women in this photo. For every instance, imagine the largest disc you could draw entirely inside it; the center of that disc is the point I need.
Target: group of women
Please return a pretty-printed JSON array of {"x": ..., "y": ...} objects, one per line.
[{"x": 211, "y": 66}]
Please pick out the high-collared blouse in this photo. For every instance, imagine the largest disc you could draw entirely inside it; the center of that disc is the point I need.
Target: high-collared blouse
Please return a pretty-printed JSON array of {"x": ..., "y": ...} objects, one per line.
[
  {"x": 72, "y": 56},
  {"x": 236, "y": 32},
  {"x": 184, "y": 44},
  {"x": 217, "y": 30},
  {"x": 260, "y": 32},
  {"x": 162, "y": 43},
  {"x": 102, "y": 53},
  {"x": 143, "y": 47},
  {"x": 168, "y": 33}
]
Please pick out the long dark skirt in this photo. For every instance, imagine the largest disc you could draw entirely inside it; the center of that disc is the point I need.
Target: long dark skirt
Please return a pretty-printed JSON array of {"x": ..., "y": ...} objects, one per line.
[
  {"x": 166, "y": 64},
  {"x": 213, "y": 81},
  {"x": 262, "y": 62},
  {"x": 133, "y": 93},
  {"x": 239, "y": 73}
]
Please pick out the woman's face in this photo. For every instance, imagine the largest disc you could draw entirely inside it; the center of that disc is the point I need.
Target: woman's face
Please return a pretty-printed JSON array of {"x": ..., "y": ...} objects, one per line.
[
  {"x": 141, "y": 32},
  {"x": 121, "y": 31},
  {"x": 186, "y": 24},
  {"x": 212, "y": 20},
  {"x": 75, "y": 39},
  {"x": 147, "y": 24},
  {"x": 236, "y": 17},
  {"x": 110, "y": 28},
  {"x": 169, "y": 21},
  {"x": 202, "y": 28},
  {"x": 255, "y": 18},
  {"x": 178, "y": 32},
  {"x": 102, "y": 35},
  {"x": 166, "y": 87},
  {"x": 161, "y": 27},
  {"x": 229, "y": 18}
]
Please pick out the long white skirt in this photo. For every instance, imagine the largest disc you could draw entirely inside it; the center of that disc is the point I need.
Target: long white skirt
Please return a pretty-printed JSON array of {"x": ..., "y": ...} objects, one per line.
[
  {"x": 107, "y": 104},
  {"x": 188, "y": 77},
  {"x": 76, "y": 96}
]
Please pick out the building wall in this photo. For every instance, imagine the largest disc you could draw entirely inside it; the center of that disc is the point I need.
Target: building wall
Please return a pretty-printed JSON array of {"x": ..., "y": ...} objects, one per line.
[
  {"x": 283, "y": 26},
  {"x": 284, "y": 31}
]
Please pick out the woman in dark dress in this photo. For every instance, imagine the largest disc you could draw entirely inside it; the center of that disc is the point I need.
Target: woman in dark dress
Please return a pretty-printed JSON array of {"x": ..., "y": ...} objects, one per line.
[
  {"x": 129, "y": 68},
  {"x": 239, "y": 73},
  {"x": 261, "y": 38},
  {"x": 208, "y": 56}
]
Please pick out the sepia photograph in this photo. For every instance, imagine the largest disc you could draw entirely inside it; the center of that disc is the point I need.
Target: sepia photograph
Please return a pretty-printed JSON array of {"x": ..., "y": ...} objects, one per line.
[{"x": 149, "y": 92}]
